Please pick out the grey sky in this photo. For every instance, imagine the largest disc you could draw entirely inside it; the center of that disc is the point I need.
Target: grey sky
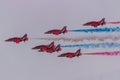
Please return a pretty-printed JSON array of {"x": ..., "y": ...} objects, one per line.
[{"x": 19, "y": 62}]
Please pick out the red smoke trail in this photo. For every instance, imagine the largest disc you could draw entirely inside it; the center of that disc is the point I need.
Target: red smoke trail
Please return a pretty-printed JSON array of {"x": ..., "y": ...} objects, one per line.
[
  {"x": 115, "y": 53},
  {"x": 113, "y": 22}
]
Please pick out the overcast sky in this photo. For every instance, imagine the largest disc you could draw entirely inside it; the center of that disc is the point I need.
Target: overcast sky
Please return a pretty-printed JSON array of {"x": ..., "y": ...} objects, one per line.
[{"x": 34, "y": 17}]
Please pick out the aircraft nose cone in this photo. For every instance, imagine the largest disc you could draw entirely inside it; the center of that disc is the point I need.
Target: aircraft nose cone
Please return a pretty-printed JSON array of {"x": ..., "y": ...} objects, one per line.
[
  {"x": 7, "y": 40},
  {"x": 84, "y": 24},
  {"x": 59, "y": 56},
  {"x": 46, "y": 33},
  {"x": 35, "y": 47}
]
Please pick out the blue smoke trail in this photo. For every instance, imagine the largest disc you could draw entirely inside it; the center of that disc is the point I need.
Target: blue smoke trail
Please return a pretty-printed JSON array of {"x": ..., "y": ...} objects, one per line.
[
  {"x": 105, "y": 29},
  {"x": 94, "y": 45}
]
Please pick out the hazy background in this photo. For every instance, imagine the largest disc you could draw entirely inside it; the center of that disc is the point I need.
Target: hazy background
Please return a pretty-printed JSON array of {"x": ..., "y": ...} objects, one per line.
[{"x": 19, "y": 62}]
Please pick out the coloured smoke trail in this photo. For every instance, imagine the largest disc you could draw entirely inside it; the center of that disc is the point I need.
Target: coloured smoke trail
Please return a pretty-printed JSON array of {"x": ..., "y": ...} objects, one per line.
[
  {"x": 113, "y": 22},
  {"x": 114, "y": 53},
  {"x": 90, "y": 30},
  {"x": 94, "y": 45},
  {"x": 97, "y": 30}
]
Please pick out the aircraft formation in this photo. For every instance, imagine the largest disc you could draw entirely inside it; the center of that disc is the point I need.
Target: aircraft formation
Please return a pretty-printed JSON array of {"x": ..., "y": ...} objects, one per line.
[{"x": 51, "y": 47}]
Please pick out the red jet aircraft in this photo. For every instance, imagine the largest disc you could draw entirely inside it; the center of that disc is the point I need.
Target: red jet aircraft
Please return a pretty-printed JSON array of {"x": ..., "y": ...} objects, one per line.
[
  {"x": 57, "y": 31},
  {"x": 51, "y": 50},
  {"x": 95, "y": 23},
  {"x": 18, "y": 39},
  {"x": 43, "y": 47},
  {"x": 71, "y": 54},
  {"x": 48, "y": 48}
]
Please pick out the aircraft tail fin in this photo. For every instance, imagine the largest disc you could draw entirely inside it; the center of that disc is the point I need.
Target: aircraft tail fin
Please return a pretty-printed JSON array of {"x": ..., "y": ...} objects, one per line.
[
  {"x": 102, "y": 22},
  {"x": 58, "y": 48},
  {"x": 78, "y": 53},
  {"x": 24, "y": 38},
  {"x": 51, "y": 45},
  {"x": 64, "y": 29}
]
